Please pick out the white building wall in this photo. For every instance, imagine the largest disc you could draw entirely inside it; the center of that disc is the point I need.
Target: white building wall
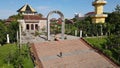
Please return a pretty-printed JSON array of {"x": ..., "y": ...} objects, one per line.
[{"x": 42, "y": 24}]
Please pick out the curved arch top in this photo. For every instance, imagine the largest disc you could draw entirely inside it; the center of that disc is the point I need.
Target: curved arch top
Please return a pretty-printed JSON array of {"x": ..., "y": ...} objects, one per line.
[
  {"x": 57, "y": 12},
  {"x": 48, "y": 23}
]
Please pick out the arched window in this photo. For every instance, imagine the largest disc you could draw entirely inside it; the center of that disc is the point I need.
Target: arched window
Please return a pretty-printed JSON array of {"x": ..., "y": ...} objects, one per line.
[
  {"x": 32, "y": 27},
  {"x": 27, "y": 26},
  {"x": 36, "y": 26}
]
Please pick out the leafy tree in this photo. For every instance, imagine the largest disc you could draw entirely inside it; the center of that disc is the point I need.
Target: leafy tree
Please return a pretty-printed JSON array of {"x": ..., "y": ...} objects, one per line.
[
  {"x": 12, "y": 30},
  {"x": 113, "y": 40},
  {"x": 3, "y": 34},
  {"x": 41, "y": 15},
  {"x": 114, "y": 20},
  {"x": 117, "y": 9},
  {"x": 16, "y": 17}
]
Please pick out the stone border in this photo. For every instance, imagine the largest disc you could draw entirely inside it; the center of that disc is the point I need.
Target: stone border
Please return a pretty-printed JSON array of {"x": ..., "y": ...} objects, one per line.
[{"x": 35, "y": 58}]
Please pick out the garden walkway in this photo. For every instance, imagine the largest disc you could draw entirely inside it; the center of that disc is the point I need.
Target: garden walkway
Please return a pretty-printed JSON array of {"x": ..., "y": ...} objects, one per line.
[{"x": 69, "y": 54}]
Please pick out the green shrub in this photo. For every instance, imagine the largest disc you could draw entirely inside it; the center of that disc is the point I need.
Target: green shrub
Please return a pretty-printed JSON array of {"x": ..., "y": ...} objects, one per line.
[{"x": 108, "y": 53}]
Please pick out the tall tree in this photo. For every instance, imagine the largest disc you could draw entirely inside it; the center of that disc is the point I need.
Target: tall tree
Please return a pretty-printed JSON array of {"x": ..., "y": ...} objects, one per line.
[
  {"x": 113, "y": 41},
  {"x": 12, "y": 30},
  {"x": 117, "y": 9},
  {"x": 3, "y": 33}
]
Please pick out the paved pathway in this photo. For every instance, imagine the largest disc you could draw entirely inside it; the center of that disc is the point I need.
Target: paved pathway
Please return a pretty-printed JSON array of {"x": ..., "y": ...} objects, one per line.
[
  {"x": 42, "y": 38},
  {"x": 70, "y": 54}
]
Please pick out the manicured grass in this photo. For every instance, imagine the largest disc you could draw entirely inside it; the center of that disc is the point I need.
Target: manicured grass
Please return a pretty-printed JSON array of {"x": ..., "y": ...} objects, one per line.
[
  {"x": 9, "y": 51},
  {"x": 100, "y": 43},
  {"x": 97, "y": 41},
  {"x": 4, "y": 51}
]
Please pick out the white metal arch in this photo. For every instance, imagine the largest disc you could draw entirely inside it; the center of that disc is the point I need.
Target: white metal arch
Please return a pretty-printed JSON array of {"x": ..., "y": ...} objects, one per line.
[{"x": 48, "y": 23}]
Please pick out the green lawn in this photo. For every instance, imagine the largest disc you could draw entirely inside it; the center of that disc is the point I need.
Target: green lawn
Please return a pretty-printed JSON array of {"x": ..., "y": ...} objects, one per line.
[
  {"x": 100, "y": 43},
  {"x": 9, "y": 56},
  {"x": 97, "y": 41}
]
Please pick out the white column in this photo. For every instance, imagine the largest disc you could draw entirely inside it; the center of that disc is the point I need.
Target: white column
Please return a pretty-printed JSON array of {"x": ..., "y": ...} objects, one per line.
[
  {"x": 39, "y": 26},
  {"x": 63, "y": 29},
  {"x": 20, "y": 21},
  {"x": 29, "y": 27},
  {"x": 48, "y": 29},
  {"x": 80, "y": 33},
  {"x": 17, "y": 37},
  {"x": 20, "y": 32},
  {"x": 75, "y": 32},
  {"x": 101, "y": 30},
  {"x": 23, "y": 24},
  {"x": 8, "y": 40}
]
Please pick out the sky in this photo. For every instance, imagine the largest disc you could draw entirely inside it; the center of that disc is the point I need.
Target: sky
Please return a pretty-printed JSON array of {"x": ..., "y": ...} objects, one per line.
[{"x": 67, "y": 7}]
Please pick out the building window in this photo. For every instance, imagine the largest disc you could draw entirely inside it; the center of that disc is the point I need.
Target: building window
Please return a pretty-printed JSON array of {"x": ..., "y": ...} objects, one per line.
[
  {"x": 32, "y": 27},
  {"x": 36, "y": 26},
  {"x": 27, "y": 26}
]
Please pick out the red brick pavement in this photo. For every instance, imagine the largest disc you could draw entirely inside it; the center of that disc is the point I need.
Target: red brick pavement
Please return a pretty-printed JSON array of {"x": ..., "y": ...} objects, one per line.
[{"x": 75, "y": 54}]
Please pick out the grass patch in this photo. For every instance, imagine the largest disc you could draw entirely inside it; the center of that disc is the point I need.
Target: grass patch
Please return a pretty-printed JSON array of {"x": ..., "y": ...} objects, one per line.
[
  {"x": 97, "y": 41},
  {"x": 10, "y": 56},
  {"x": 100, "y": 43}
]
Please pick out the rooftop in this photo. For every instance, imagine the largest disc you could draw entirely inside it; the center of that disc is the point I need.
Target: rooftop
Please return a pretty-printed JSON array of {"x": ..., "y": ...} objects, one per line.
[
  {"x": 33, "y": 17},
  {"x": 27, "y": 9}
]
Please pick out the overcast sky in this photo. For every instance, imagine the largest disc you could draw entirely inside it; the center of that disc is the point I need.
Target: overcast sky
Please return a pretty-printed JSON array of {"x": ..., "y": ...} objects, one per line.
[{"x": 67, "y": 7}]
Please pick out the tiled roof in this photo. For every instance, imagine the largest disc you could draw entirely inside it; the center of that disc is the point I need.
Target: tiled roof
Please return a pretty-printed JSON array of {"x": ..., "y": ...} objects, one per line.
[
  {"x": 90, "y": 13},
  {"x": 69, "y": 54},
  {"x": 27, "y": 8},
  {"x": 69, "y": 22},
  {"x": 33, "y": 17}
]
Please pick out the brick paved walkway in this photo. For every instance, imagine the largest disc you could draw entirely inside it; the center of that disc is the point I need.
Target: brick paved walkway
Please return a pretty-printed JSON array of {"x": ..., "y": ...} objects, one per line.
[{"x": 75, "y": 54}]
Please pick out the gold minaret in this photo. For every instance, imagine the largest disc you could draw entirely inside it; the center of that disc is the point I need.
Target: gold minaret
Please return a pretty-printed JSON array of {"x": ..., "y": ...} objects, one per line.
[{"x": 99, "y": 17}]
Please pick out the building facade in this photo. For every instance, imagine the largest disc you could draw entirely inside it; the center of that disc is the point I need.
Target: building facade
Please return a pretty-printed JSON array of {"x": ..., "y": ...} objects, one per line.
[{"x": 31, "y": 20}]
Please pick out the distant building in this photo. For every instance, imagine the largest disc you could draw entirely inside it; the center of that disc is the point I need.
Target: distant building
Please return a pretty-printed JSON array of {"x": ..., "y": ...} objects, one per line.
[
  {"x": 78, "y": 16},
  {"x": 89, "y": 14},
  {"x": 31, "y": 20}
]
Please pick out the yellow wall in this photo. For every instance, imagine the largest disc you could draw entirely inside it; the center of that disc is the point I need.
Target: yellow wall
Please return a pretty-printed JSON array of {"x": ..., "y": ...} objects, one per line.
[
  {"x": 99, "y": 16},
  {"x": 99, "y": 9},
  {"x": 98, "y": 20}
]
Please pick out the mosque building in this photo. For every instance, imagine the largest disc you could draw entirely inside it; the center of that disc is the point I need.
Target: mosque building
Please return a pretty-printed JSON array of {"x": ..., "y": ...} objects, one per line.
[{"x": 31, "y": 19}]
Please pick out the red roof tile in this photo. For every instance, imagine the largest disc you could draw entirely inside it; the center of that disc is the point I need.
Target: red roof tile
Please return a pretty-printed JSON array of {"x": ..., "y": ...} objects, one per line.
[
  {"x": 90, "y": 13},
  {"x": 33, "y": 17}
]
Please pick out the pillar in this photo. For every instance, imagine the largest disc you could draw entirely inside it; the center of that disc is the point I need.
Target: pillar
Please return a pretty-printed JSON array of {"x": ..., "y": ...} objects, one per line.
[
  {"x": 48, "y": 29},
  {"x": 80, "y": 33},
  {"x": 8, "y": 40},
  {"x": 75, "y": 32},
  {"x": 63, "y": 29}
]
